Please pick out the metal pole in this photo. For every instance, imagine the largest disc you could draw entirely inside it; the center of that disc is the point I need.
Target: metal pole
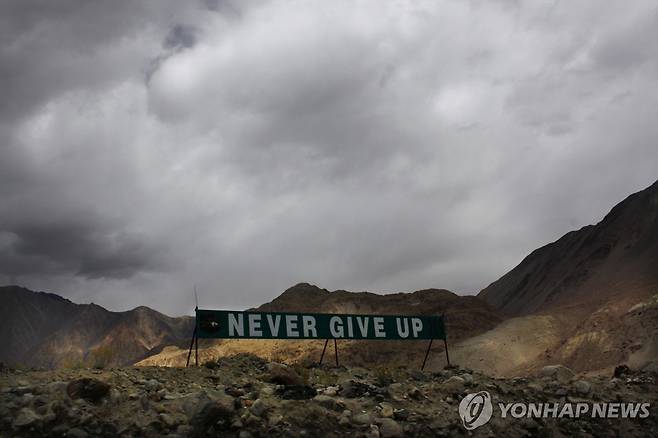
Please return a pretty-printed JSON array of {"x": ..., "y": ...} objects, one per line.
[
  {"x": 189, "y": 353},
  {"x": 445, "y": 342},
  {"x": 323, "y": 350},
  {"x": 427, "y": 353},
  {"x": 336, "y": 350},
  {"x": 196, "y": 352}
]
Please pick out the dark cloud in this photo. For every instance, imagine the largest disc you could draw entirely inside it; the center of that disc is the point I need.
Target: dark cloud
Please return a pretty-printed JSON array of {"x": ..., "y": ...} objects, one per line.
[{"x": 244, "y": 147}]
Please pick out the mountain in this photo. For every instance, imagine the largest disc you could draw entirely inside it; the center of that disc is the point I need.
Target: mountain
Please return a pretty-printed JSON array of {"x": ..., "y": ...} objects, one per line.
[
  {"x": 591, "y": 296},
  {"x": 46, "y": 330},
  {"x": 466, "y": 316},
  {"x": 616, "y": 259}
]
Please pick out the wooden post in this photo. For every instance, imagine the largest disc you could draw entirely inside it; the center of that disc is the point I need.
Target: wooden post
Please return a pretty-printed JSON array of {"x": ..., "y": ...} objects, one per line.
[
  {"x": 427, "y": 353},
  {"x": 445, "y": 342},
  {"x": 189, "y": 353},
  {"x": 196, "y": 352},
  {"x": 323, "y": 350},
  {"x": 336, "y": 351}
]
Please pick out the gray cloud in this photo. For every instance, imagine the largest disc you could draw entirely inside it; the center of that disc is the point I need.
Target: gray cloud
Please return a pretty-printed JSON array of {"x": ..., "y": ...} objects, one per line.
[{"x": 246, "y": 147}]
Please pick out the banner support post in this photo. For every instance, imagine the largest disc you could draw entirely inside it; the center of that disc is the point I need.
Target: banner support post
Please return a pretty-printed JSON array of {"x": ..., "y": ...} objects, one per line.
[
  {"x": 195, "y": 340},
  {"x": 427, "y": 353},
  {"x": 336, "y": 351},
  {"x": 445, "y": 343},
  {"x": 189, "y": 353},
  {"x": 323, "y": 350}
]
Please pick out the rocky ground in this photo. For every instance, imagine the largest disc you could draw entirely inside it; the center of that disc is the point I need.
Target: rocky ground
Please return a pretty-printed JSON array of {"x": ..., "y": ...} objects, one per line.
[{"x": 245, "y": 396}]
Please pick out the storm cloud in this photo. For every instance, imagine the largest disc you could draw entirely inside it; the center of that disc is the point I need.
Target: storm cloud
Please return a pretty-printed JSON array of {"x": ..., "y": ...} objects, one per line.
[{"x": 247, "y": 146}]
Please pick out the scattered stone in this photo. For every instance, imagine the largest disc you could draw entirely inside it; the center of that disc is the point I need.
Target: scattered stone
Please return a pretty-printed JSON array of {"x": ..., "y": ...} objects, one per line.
[
  {"x": 468, "y": 378},
  {"x": 582, "y": 387},
  {"x": 210, "y": 414},
  {"x": 389, "y": 428},
  {"x": 354, "y": 389},
  {"x": 259, "y": 408},
  {"x": 400, "y": 414},
  {"x": 362, "y": 418},
  {"x": 26, "y": 417},
  {"x": 416, "y": 394},
  {"x": 621, "y": 371},
  {"x": 327, "y": 402},
  {"x": 92, "y": 390},
  {"x": 76, "y": 433},
  {"x": 282, "y": 375},
  {"x": 331, "y": 391},
  {"x": 386, "y": 410},
  {"x": 557, "y": 372},
  {"x": 302, "y": 392}
]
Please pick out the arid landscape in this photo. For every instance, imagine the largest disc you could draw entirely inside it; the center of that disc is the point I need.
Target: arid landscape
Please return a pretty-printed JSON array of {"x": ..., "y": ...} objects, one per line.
[{"x": 576, "y": 320}]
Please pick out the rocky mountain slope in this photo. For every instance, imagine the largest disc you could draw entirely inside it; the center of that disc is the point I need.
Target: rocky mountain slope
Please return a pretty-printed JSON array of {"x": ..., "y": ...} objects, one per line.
[
  {"x": 46, "y": 330},
  {"x": 245, "y": 396},
  {"x": 466, "y": 316},
  {"x": 593, "y": 294},
  {"x": 614, "y": 260}
]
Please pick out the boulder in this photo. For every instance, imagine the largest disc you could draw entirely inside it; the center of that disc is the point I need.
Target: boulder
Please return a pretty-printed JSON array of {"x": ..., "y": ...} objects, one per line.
[
  {"x": 92, "y": 390},
  {"x": 282, "y": 375},
  {"x": 557, "y": 372}
]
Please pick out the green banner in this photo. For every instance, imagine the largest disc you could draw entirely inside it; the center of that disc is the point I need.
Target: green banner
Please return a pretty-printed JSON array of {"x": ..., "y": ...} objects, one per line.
[{"x": 222, "y": 324}]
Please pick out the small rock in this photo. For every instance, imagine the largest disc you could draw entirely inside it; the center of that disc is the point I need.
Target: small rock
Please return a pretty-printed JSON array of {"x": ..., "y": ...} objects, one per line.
[
  {"x": 582, "y": 387},
  {"x": 389, "y": 428},
  {"x": 88, "y": 389},
  {"x": 258, "y": 408},
  {"x": 621, "y": 371},
  {"x": 26, "y": 417},
  {"x": 152, "y": 385},
  {"x": 363, "y": 418},
  {"x": 210, "y": 414},
  {"x": 168, "y": 420},
  {"x": 468, "y": 378},
  {"x": 76, "y": 433},
  {"x": 416, "y": 394},
  {"x": 400, "y": 414},
  {"x": 557, "y": 372},
  {"x": 282, "y": 375},
  {"x": 326, "y": 402},
  {"x": 331, "y": 391},
  {"x": 387, "y": 410}
]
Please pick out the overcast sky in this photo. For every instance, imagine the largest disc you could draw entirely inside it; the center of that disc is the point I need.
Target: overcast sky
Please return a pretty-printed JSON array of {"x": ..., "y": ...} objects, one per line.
[{"x": 361, "y": 145}]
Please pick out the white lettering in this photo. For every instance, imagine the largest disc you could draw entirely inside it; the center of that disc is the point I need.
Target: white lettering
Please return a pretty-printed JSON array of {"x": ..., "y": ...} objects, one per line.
[
  {"x": 350, "y": 327},
  {"x": 416, "y": 326},
  {"x": 254, "y": 325},
  {"x": 599, "y": 410},
  {"x": 403, "y": 332},
  {"x": 363, "y": 325},
  {"x": 379, "y": 327},
  {"x": 308, "y": 323},
  {"x": 581, "y": 408},
  {"x": 567, "y": 411},
  {"x": 519, "y": 410},
  {"x": 336, "y": 327},
  {"x": 291, "y": 326},
  {"x": 235, "y": 325},
  {"x": 274, "y": 324},
  {"x": 504, "y": 408}
]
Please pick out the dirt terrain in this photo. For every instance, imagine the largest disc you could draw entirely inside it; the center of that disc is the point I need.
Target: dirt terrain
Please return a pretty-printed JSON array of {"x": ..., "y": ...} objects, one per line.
[{"x": 245, "y": 396}]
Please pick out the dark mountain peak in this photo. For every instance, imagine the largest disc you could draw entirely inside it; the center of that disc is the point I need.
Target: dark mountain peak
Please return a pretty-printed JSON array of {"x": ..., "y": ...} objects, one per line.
[
  {"x": 45, "y": 329},
  {"x": 305, "y": 289},
  {"x": 616, "y": 257}
]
